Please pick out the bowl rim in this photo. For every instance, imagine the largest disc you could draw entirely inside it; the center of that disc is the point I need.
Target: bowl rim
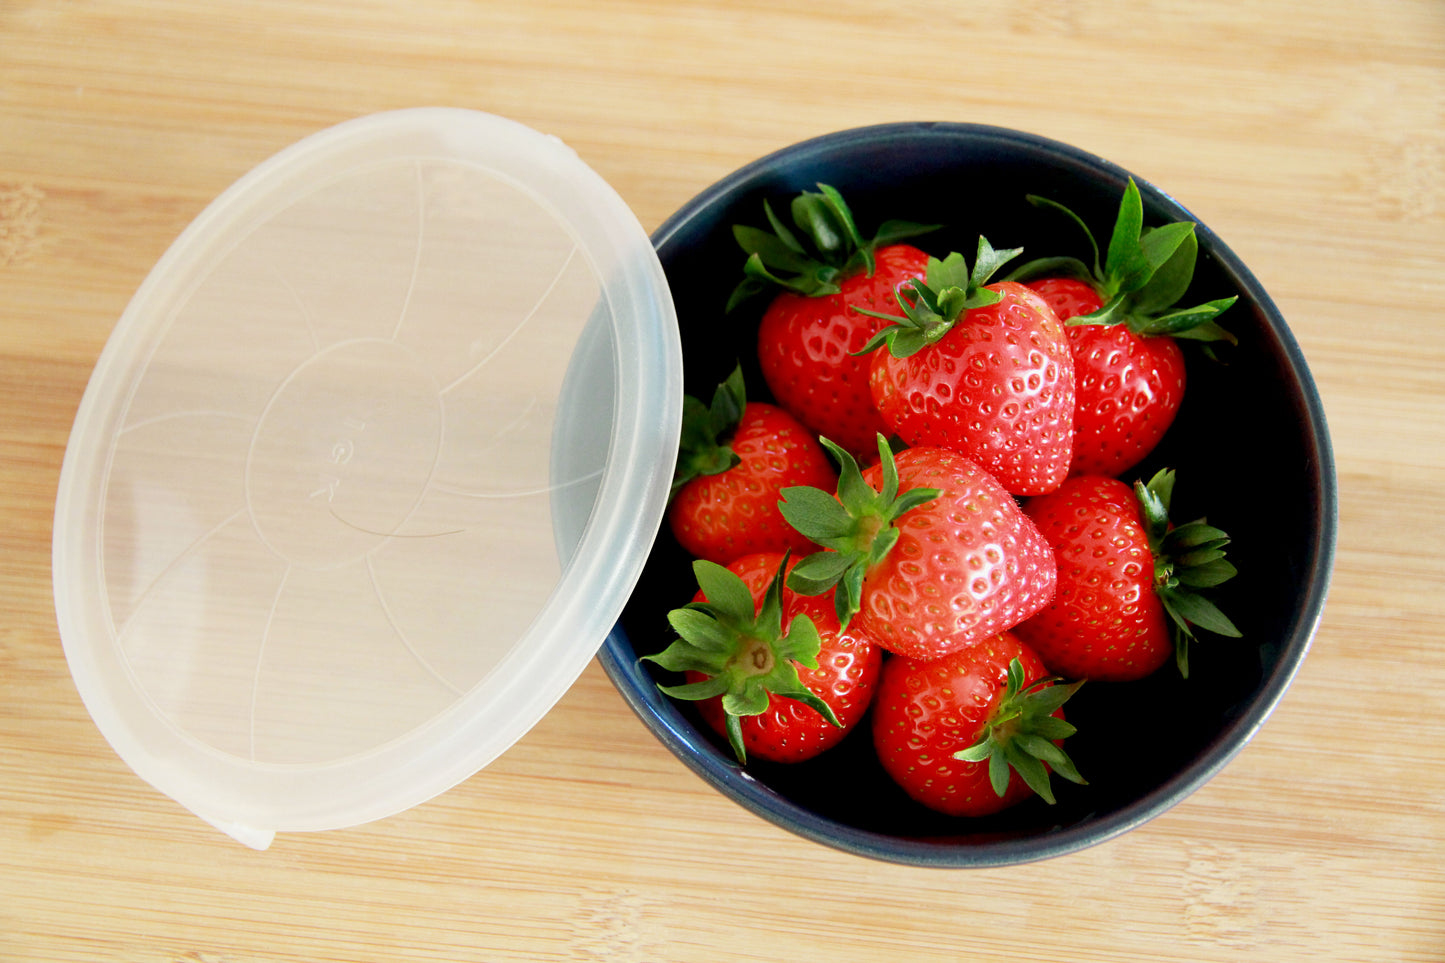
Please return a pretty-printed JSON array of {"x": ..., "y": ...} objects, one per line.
[{"x": 672, "y": 729}]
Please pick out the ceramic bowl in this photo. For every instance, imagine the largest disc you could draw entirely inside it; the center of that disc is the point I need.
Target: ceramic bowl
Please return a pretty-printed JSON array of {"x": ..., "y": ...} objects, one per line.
[{"x": 1250, "y": 446}]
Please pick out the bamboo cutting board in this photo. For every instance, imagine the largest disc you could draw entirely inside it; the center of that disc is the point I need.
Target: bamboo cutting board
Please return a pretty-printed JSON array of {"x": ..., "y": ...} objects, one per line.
[{"x": 1310, "y": 137}]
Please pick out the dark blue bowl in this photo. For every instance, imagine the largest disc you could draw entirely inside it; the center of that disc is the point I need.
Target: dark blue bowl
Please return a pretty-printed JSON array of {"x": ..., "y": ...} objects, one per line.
[{"x": 1250, "y": 445}]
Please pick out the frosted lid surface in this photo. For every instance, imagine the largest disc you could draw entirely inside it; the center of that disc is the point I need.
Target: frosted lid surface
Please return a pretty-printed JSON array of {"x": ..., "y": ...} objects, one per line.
[{"x": 366, "y": 471}]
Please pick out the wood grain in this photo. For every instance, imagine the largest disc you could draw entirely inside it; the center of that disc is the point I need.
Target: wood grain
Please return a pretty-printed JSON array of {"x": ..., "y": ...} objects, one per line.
[{"x": 1311, "y": 137}]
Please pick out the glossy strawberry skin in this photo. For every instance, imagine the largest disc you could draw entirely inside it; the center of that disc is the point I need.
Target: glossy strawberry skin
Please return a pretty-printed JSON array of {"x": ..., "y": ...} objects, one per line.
[
  {"x": 1105, "y": 622},
  {"x": 1128, "y": 388},
  {"x": 734, "y": 513},
  {"x": 998, "y": 387},
  {"x": 967, "y": 565},
  {"x": 846, "y": 677},
  {"x": 925, "y": 712},
  {"x": 806, "y": 345}
]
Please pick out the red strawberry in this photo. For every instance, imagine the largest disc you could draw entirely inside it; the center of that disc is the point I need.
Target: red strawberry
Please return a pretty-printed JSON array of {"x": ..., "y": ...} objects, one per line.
[
  {"x": 741, "y": 642},
  {"x": 810, "y": 331},
  {"x": 735, "y": 459},
  {"x": 1128, "y": 388},
  {"x": 982, "y": 370},
  {"x": 1121, "y": 322},
  {"x": 974, "y": 732},
  {"x": 1127, "y": 581},
  {"x": 927, "y": 549}
]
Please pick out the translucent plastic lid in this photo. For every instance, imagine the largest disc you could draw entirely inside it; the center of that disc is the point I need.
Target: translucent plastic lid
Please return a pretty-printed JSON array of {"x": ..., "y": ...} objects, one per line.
[{"x": 366, "y": 471}]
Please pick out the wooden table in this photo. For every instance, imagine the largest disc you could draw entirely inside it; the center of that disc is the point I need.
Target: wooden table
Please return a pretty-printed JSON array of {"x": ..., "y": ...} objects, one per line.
[{"x": 1310, "y": 136}]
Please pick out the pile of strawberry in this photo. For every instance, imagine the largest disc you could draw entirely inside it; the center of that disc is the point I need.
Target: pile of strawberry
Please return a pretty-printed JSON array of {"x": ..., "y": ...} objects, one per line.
[{"x": 931, "y": 524}]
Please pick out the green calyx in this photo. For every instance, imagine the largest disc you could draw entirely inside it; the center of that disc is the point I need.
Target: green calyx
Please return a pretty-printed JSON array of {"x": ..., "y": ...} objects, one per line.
[
  {"x": 1021, "y": 733},
  {"x": 822, "y": 248},
  {"x": 931, "y": 307},
  {"x": 855, "y": 528},
  {"x": 1187, "y": 559},
  {"x": 702, "y": 447},
  {"x": 1144, "y": 273},
  {"x": 746, "y": 655}
]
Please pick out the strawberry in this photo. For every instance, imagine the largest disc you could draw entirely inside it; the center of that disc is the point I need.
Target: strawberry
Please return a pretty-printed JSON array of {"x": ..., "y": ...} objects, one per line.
[
  {"x": 809, "y": 331},
  {"x": 982, "y": 369},
  {"x": 1128, "y": 582},
  {"x": 1121, "y": 323},
  {"x": 734, "y": 459},
  {"x": 741, "y": 642},
  {"x": 927, "y": 549},
  {"x": 974, "y": 732}
]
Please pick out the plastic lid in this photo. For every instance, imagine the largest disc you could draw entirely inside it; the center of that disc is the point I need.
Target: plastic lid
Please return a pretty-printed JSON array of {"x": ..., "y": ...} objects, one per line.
[{"x": 366, "y": 471}]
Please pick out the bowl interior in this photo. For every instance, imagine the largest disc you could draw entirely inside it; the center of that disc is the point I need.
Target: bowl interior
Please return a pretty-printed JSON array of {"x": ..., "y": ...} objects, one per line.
[{"x": 1250, "y": 447}]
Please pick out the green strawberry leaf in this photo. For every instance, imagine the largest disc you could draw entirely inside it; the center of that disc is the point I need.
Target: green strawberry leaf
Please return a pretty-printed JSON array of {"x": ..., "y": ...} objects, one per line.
[
  {"x": 1125, "y": 266},
  {"x": 726, "y": 593},
  {"x": 1038, "y": 747},
  {"x": 932, "y": 307},
  {"x": 1049, "y": 699},
  {"x": 1145, "y": 273},
  {"x": 1208, "y": 574},
  {"x": 819, "y": 572},
  {"x": 1110, "y": 313},
  {"x": 1030, "y": 768},
  {"x": 1171, "y": 279},
  {"x": 780, "y": 229},
  {"x": 702, "y": 629},
  {"x": 706, "y": 429},
  {"x": 748, "y": 656},
  {"x": 855, "y": 528},
  {"x": 998, "y": 771},
  {"x": 1195, "y": 323},
  {"x": 1200, "y": 556},
  {"x": 781, "y": 251},
  {"x": 822, "y": 514},
  {"x": 1210, "y": 332},
  {"x": 1064, "y": 766},
  {"x": 1154, "y": 499},
  {"x": 825, "y": 219},
  {"x": 1187, "y": 559},
  {"x": 986, "y": 264},
  {"x": 1159, "y": 246},
  {"x": 1020, "y": 735},
  {"x": 801, "y": 644},
  {"x": 1051, "y": 727},
  {"x": 822, "y": 247},
  {"x": 749, "y": 701},
  {"x": 1196, "y": 533},
  {"x": 1198, "y": 610},
  {"x": 695, "y": 691},
  {"x": 734, "y": 726},
  {"x": 756, "y": 279}
]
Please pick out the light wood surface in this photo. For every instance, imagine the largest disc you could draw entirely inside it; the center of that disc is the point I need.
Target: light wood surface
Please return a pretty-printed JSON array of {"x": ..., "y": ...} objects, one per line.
[{"x": 1310, "y": 136}]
